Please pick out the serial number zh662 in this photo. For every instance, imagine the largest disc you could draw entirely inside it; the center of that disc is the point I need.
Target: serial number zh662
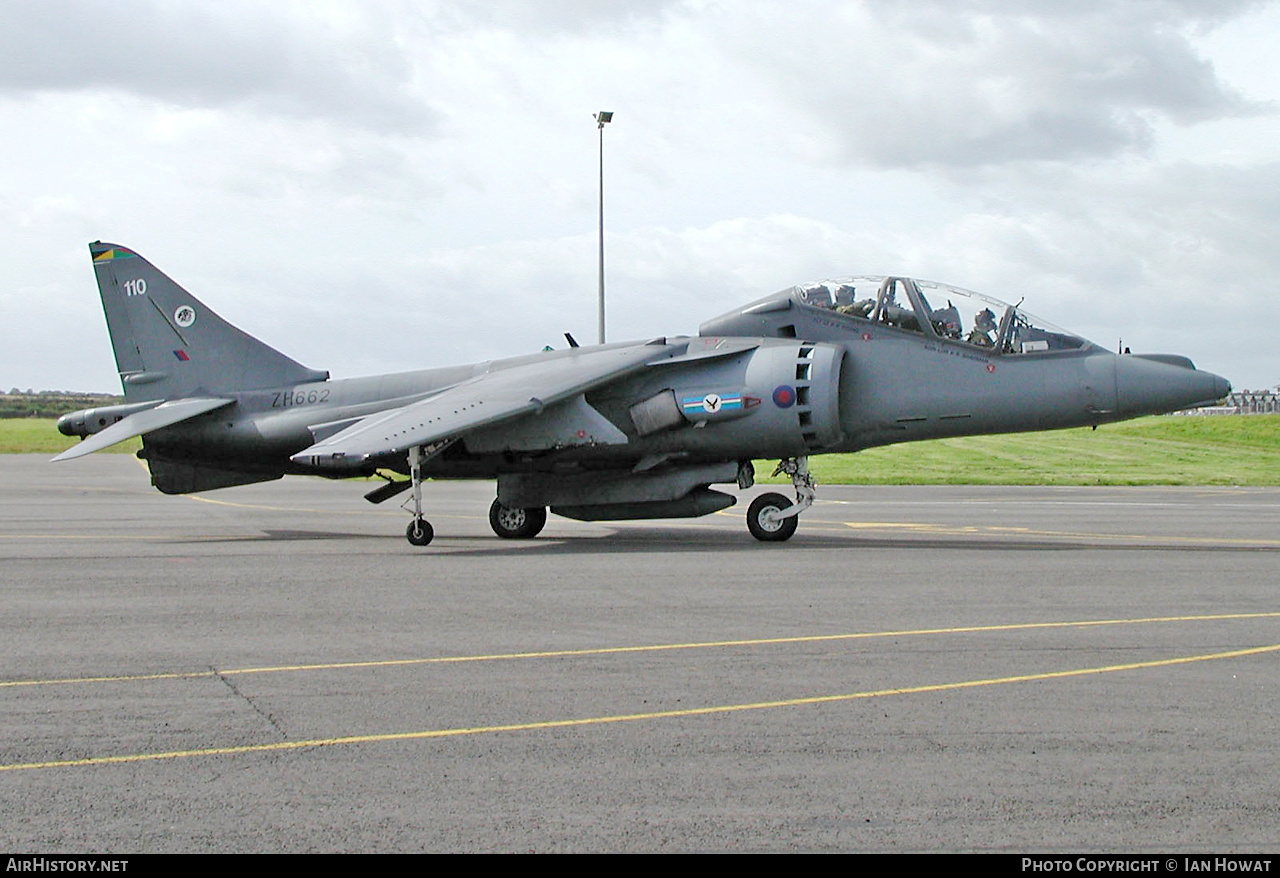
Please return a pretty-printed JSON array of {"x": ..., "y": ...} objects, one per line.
[{"x": 286, "y": 398}]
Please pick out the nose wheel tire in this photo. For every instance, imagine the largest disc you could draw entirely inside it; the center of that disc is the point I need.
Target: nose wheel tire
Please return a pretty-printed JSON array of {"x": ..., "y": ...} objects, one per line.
[
  {"x": 516, "y": 524},
  {"x": 419, "y": 532},
  {"x": 763, "y": 520}
]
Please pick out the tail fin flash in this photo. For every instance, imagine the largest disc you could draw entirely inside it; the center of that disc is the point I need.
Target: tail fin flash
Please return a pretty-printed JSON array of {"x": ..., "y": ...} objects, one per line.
[{"x": 168, "y": 344}]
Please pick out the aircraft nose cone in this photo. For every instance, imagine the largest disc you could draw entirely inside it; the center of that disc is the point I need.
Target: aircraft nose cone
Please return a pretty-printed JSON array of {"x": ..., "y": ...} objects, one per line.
[{"x": 1150, "y": 387}]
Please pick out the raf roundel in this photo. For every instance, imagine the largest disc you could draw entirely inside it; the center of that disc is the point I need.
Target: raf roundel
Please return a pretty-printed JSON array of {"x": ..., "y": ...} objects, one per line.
[
  {"x": 784, "y": 396},
  {"x": 184, "y": 316}
]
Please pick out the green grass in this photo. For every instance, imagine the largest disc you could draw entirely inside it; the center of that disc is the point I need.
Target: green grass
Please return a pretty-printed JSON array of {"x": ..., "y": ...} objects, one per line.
[
  {"x": 41, "y": 436},
  {"x": 1219, "y": 450},
  {"x": 1150, "y": 451},
  {"x": 51, "y": 404}
]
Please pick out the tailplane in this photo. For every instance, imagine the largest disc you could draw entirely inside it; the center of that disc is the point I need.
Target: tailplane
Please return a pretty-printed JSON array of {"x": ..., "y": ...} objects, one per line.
[{"x": 170, "y": 345}]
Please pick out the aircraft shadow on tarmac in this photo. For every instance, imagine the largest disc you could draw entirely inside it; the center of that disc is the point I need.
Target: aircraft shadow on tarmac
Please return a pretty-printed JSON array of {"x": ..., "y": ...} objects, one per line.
[{"x": 648, "y": 540}]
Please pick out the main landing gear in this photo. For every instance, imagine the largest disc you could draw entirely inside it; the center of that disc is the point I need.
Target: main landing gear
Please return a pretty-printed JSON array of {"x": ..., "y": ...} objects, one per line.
[
  {"x": 517, "y": 524},
  {"x": 772, "y": 518},
  {"x": 509, "y": 523}
]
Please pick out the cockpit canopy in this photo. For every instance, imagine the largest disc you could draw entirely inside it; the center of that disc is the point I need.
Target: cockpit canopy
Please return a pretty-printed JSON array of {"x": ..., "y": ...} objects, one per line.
[{"x": 939, "y": 310}]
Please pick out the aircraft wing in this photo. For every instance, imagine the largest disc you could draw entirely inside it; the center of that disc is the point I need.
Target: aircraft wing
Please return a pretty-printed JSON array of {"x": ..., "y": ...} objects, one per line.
[
  {"x": 164, "y": 415},
  {"x": 498, "y": 396}
]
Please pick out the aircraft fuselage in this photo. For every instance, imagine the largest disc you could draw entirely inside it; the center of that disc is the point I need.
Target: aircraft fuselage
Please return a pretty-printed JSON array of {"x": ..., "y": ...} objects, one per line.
[{"x": 886, "y": 389}]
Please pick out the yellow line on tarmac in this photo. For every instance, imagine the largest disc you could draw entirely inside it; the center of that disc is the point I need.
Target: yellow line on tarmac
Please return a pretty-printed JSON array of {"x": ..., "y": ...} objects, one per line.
[
  {"x": 615, "y": 650},
  {"x": 994, "y": 530},
  {"x": 353, "y": 511},
  {"x": 629, "y": 717},
  {"x": 114, "y": 537}
]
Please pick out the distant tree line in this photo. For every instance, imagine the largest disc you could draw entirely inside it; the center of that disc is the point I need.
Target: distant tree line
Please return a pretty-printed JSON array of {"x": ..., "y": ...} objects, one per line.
[{"x": 50, "y": 403}]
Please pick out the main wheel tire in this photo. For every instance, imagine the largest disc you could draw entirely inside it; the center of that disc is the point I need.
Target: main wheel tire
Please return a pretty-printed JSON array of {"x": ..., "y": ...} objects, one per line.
[
  {"x": 517, "y": 524},
  {"x": 419, "y": 532},
  {"x": 762, "y": 523}
]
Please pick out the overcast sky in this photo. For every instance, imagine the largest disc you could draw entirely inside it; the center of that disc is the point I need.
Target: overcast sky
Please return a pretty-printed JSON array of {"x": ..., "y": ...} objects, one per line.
[{"x": 385, "y": 185}]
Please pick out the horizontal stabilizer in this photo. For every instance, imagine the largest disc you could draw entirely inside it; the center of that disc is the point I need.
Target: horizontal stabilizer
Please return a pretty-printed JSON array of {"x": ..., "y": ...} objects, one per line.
[{"x": 164, "y": 415}]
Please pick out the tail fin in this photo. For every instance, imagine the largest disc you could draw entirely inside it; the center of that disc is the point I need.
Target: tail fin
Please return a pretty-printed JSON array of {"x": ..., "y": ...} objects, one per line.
[{"x": 169, "y": 344}]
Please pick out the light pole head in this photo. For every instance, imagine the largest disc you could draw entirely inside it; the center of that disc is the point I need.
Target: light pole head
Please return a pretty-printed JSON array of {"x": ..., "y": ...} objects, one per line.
[{"x": 603, "y": 118}]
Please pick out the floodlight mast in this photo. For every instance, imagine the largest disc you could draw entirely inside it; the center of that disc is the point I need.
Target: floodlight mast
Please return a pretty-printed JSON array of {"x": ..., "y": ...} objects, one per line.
[{"x": 602, "y": 118}]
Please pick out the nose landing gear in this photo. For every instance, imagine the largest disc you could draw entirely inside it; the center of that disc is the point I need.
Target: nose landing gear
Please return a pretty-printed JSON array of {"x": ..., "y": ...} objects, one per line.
[
  {"x": 772, "y": 518},
  {"x": 765, "y": 521}
]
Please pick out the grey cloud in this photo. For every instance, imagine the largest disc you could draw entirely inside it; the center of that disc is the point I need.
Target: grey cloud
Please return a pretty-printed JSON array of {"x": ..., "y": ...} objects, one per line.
[
  {"x": 962, "y": 85},
  {"x": 282, "y": 58},
  {"x": 563, "y": 16},
  {"x": 1174, "y": 258}
]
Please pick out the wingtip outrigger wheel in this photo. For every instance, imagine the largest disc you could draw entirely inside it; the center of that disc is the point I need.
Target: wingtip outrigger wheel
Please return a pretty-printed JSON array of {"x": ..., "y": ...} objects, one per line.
[
  {"x": 419, "y": 532},
  {"x": 772, "y": 518}
]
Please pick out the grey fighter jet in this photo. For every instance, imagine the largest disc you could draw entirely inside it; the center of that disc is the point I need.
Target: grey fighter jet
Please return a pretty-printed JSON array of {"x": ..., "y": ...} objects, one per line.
[{"x": 620, "y": 431}]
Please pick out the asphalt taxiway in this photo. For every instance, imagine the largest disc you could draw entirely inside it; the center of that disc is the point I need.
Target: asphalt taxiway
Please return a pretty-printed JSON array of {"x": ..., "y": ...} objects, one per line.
[{"x": 274, "y": 668}]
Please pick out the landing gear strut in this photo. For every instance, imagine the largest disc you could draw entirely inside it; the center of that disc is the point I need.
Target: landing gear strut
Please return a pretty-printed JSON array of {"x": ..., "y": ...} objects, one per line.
[
  {"x": 419, "y": 532},
  {"x": 772, "y": 518}
]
